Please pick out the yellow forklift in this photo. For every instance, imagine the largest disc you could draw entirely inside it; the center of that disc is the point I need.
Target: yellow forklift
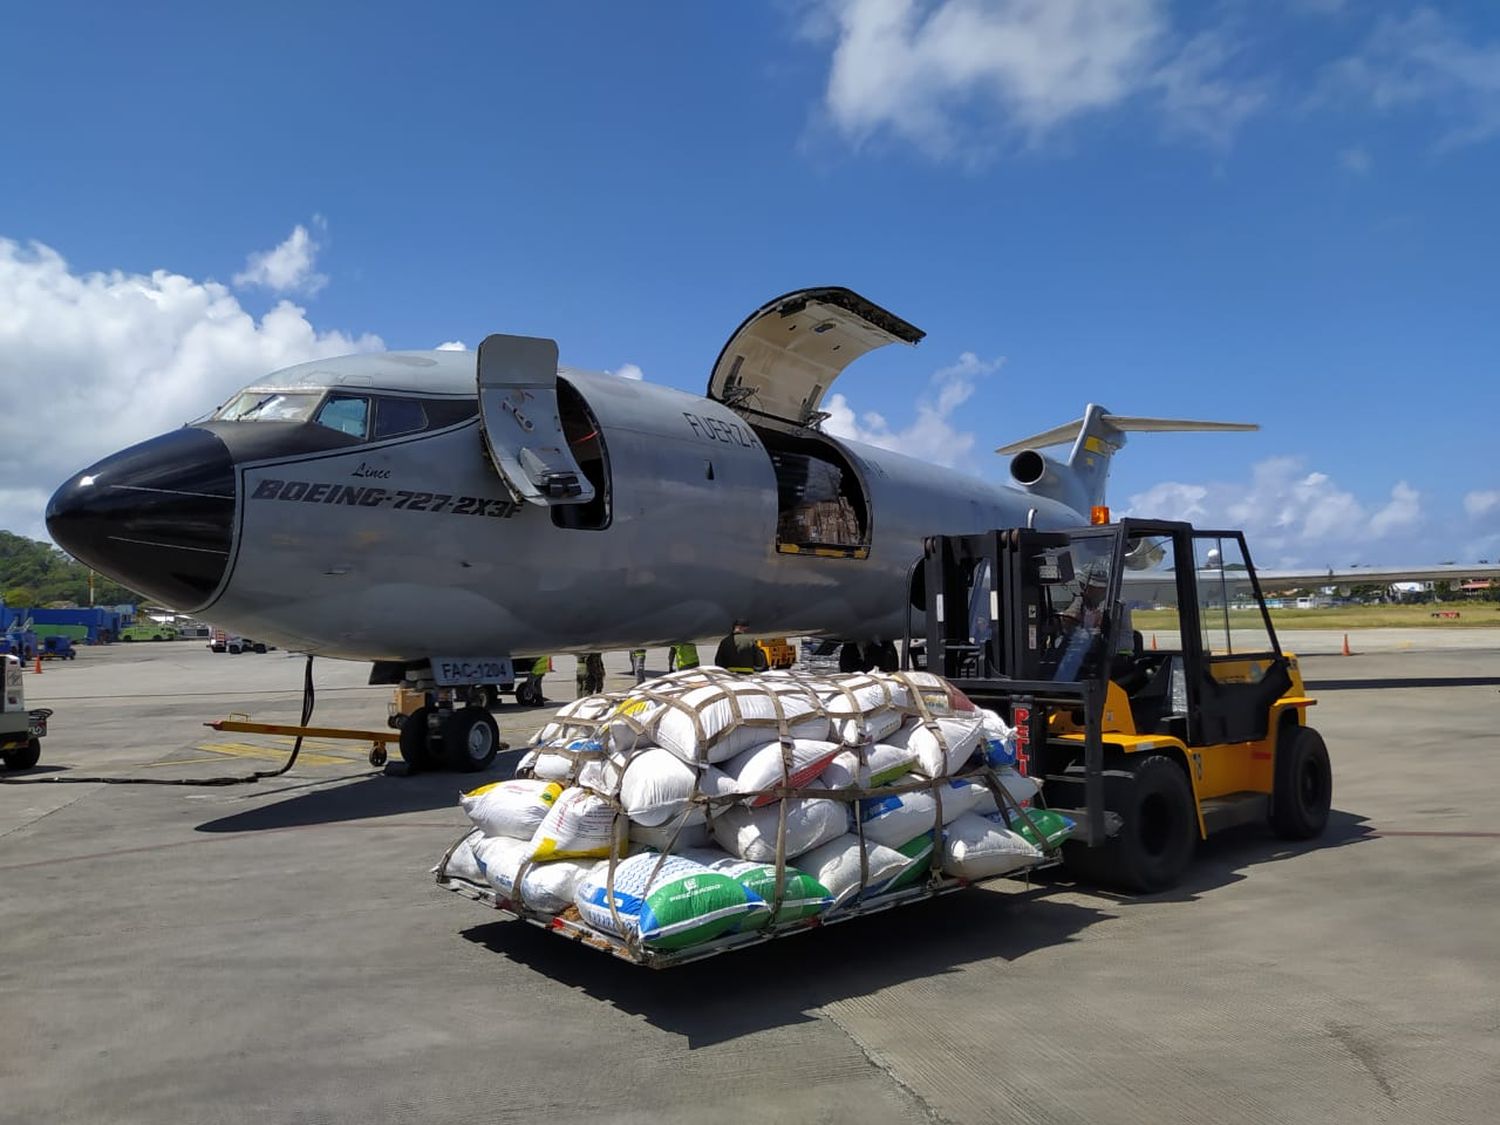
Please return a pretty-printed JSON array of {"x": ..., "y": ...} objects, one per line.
[{"x": 1149, "y": 745}]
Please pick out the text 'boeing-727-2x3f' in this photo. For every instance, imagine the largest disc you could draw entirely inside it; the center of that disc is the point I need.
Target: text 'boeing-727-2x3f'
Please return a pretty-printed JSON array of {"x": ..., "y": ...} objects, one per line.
[{"x": 412, "y": 506}]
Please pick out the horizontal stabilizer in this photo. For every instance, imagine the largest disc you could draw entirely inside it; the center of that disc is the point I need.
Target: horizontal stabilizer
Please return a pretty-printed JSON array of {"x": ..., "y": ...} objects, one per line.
[
  {"x": 1096, "y": 437},
  {"x": 1069, "y": 431}
]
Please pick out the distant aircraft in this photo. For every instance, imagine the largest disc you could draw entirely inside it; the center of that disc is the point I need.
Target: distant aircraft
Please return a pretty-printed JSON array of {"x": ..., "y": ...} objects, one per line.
[{"x": 422, "y": 508}]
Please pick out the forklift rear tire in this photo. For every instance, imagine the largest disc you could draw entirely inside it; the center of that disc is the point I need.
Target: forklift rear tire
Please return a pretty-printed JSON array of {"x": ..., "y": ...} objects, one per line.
[
  {"x": 471, "y": 739},
  {"x": 24, "y": 759},
  {"x": 1158, "y": 829},
  {"x": 527, "y": 695},
  {"x": 413, "y": 741},
  {"x": 1303, "y": 787}
]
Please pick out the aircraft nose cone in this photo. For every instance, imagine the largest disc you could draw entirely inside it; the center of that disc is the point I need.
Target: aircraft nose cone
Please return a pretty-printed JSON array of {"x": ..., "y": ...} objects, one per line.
[{"x": 157, "y": 517}]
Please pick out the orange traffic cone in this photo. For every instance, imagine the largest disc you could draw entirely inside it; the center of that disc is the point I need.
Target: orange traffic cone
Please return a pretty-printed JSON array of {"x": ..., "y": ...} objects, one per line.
[
  {"x": 39, "y": 663},
  {"x": 1346, "y": 645},
  {"x": 1153, "y": 642}
]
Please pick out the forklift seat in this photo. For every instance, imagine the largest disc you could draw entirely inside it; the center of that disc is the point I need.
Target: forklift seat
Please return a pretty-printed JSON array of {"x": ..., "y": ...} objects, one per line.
[{"x": 1151, "y": 704}]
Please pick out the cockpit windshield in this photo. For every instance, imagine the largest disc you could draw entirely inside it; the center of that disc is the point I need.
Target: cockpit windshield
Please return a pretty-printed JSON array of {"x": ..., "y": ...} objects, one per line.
[{"x": 269, "y": 406}]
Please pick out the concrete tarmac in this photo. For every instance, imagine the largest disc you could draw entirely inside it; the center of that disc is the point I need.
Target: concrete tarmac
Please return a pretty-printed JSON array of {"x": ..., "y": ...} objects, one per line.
[{"x": 278, "y": 952}]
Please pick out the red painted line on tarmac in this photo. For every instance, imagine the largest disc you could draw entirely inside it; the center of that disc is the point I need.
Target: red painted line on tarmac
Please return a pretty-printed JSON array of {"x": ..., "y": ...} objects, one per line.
[{"x": 215, "y": 838}]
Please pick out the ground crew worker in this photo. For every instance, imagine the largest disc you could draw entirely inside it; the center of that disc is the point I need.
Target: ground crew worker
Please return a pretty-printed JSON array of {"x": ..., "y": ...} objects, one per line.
[
  {"x": 590, "y": 673},
  {"x": 738, "y": 652},
  {"x": 539, "y": 668},
  {"x": 638, "y": 664},
  {"x": 684, "y": 656}
]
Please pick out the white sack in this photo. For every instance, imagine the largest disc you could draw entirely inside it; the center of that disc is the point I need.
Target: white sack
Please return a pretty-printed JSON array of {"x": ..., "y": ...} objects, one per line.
[
  {"x": 835, "y": 864},
  {"x": 714, "y": 722},
  {"x": 661, "y": 838},
  {"x": 894, "y": 819},
  {"x": 999, "y": 739},
  {"x": 882, "y": 765},
  {"x": 461, "y": 862},
  {"x": 582, "y": 718},
  {"x": 941, "y": 746},
  {"x": 863, "y": 708},
  {"x": 547, "y": 888},
  {"x": 974, "y": 848},
  {"x": 764, "y": 767},
  {"x": 1022, "y": 790},
  {"x": 581, "y": 825},
  {"x": 751, "y": 833},
  {"x": 940, "y": 697},
  {"x": 514, "y": 808},
  {"x": 653, "y": 785}
]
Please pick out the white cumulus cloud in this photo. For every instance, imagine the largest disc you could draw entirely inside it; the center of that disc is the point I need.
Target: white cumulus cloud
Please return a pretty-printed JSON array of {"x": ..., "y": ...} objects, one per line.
[
  {"x": 954, "y": 76},
  {"x": 1293, "y": 517},
  {"x": 628, "y": 371},
  {"x": 98, "y": 361},
  {"x": 931, "y": 435},
  {"x": 453, "y": 346},
  {"x": 289, "y": 267}
]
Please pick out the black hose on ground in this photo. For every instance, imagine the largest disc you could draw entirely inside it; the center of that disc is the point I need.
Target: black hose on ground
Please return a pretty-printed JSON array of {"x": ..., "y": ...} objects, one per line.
[{"x": 308, "y": 699}]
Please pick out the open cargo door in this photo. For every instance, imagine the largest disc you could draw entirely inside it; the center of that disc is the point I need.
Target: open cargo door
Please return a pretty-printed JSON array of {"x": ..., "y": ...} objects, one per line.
[
  {"x": 522, "y": 427},
  {"x": 782, "y": 360}
]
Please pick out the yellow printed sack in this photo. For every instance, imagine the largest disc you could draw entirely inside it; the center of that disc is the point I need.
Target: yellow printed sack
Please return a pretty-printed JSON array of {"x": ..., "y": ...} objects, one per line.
[
  {"x": 514, "y": 808},
  {"x": 580, "y": 825}
]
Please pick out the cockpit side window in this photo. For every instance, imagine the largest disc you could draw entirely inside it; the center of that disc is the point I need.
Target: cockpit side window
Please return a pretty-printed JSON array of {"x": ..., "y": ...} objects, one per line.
[
  {"x": 395, "y": 416},
  {"x": 345, "y": 413},
  {"x": 349, "y": 414}
]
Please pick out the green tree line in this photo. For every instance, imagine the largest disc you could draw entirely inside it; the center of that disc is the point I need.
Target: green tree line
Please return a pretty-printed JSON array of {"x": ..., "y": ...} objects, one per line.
[{"x": 38, "y": 574}]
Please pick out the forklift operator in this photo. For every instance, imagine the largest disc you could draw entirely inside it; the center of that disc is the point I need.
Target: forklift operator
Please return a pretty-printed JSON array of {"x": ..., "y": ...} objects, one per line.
[{"x": 1082, "y": 621}]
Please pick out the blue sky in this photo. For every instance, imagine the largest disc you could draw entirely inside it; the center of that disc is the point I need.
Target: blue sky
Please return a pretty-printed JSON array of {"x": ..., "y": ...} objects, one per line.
[{"x": 1281, "y": 211}]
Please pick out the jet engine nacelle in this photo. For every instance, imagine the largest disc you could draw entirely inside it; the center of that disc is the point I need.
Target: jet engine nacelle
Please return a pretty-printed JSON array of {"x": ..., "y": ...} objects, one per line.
[{"x": 1042, "y": 476}]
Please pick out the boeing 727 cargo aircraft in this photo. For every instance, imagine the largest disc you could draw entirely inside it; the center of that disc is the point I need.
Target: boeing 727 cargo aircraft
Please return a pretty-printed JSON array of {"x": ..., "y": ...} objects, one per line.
[{"x": 438, "y": 515}]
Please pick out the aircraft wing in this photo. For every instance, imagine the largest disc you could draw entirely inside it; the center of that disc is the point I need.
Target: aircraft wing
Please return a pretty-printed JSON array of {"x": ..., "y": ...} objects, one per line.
[
  {"x": 1160, "y": 587},
  {"x": 1379, "y": 575}
]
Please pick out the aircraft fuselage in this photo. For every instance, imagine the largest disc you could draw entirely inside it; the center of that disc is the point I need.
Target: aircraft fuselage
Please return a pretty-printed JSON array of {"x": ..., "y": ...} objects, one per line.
[{"x": 413, "y": 547}]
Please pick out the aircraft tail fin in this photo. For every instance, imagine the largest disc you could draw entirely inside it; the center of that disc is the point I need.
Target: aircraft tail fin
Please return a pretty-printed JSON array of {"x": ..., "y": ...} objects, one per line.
[{"x": 1097, "y": 436}]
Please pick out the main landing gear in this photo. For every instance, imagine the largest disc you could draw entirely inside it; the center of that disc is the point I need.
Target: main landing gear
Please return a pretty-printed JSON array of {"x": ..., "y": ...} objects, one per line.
[{"x": 448, "y": 733}]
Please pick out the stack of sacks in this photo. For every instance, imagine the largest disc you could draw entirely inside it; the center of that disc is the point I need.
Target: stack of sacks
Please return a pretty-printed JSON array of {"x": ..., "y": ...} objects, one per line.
[
  {"x": 687, "y": 779},
  {"x": 534, "y": 841}
]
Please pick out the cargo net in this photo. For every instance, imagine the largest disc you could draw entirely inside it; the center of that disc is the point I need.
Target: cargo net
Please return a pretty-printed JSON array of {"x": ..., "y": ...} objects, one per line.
[{"x": 709, "y": 810}]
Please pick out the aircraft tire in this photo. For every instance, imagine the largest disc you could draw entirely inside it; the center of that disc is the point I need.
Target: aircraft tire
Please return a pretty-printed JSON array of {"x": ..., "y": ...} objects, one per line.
[
  {"x": 851, "y": 659},
  {"x": 24, "y": 759},
  {"x": 413, "y": 742},
  {"x": 1302, "y": 792},
  {"x": 471, "y": 739},
  {"x": 1158, "y": 831}
]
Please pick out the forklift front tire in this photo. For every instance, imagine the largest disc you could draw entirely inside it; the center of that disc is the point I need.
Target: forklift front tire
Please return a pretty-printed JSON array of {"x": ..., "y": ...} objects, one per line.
[
  {"x": 1303, "y": 786},
  {"x": 1158, "y": 829}
]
